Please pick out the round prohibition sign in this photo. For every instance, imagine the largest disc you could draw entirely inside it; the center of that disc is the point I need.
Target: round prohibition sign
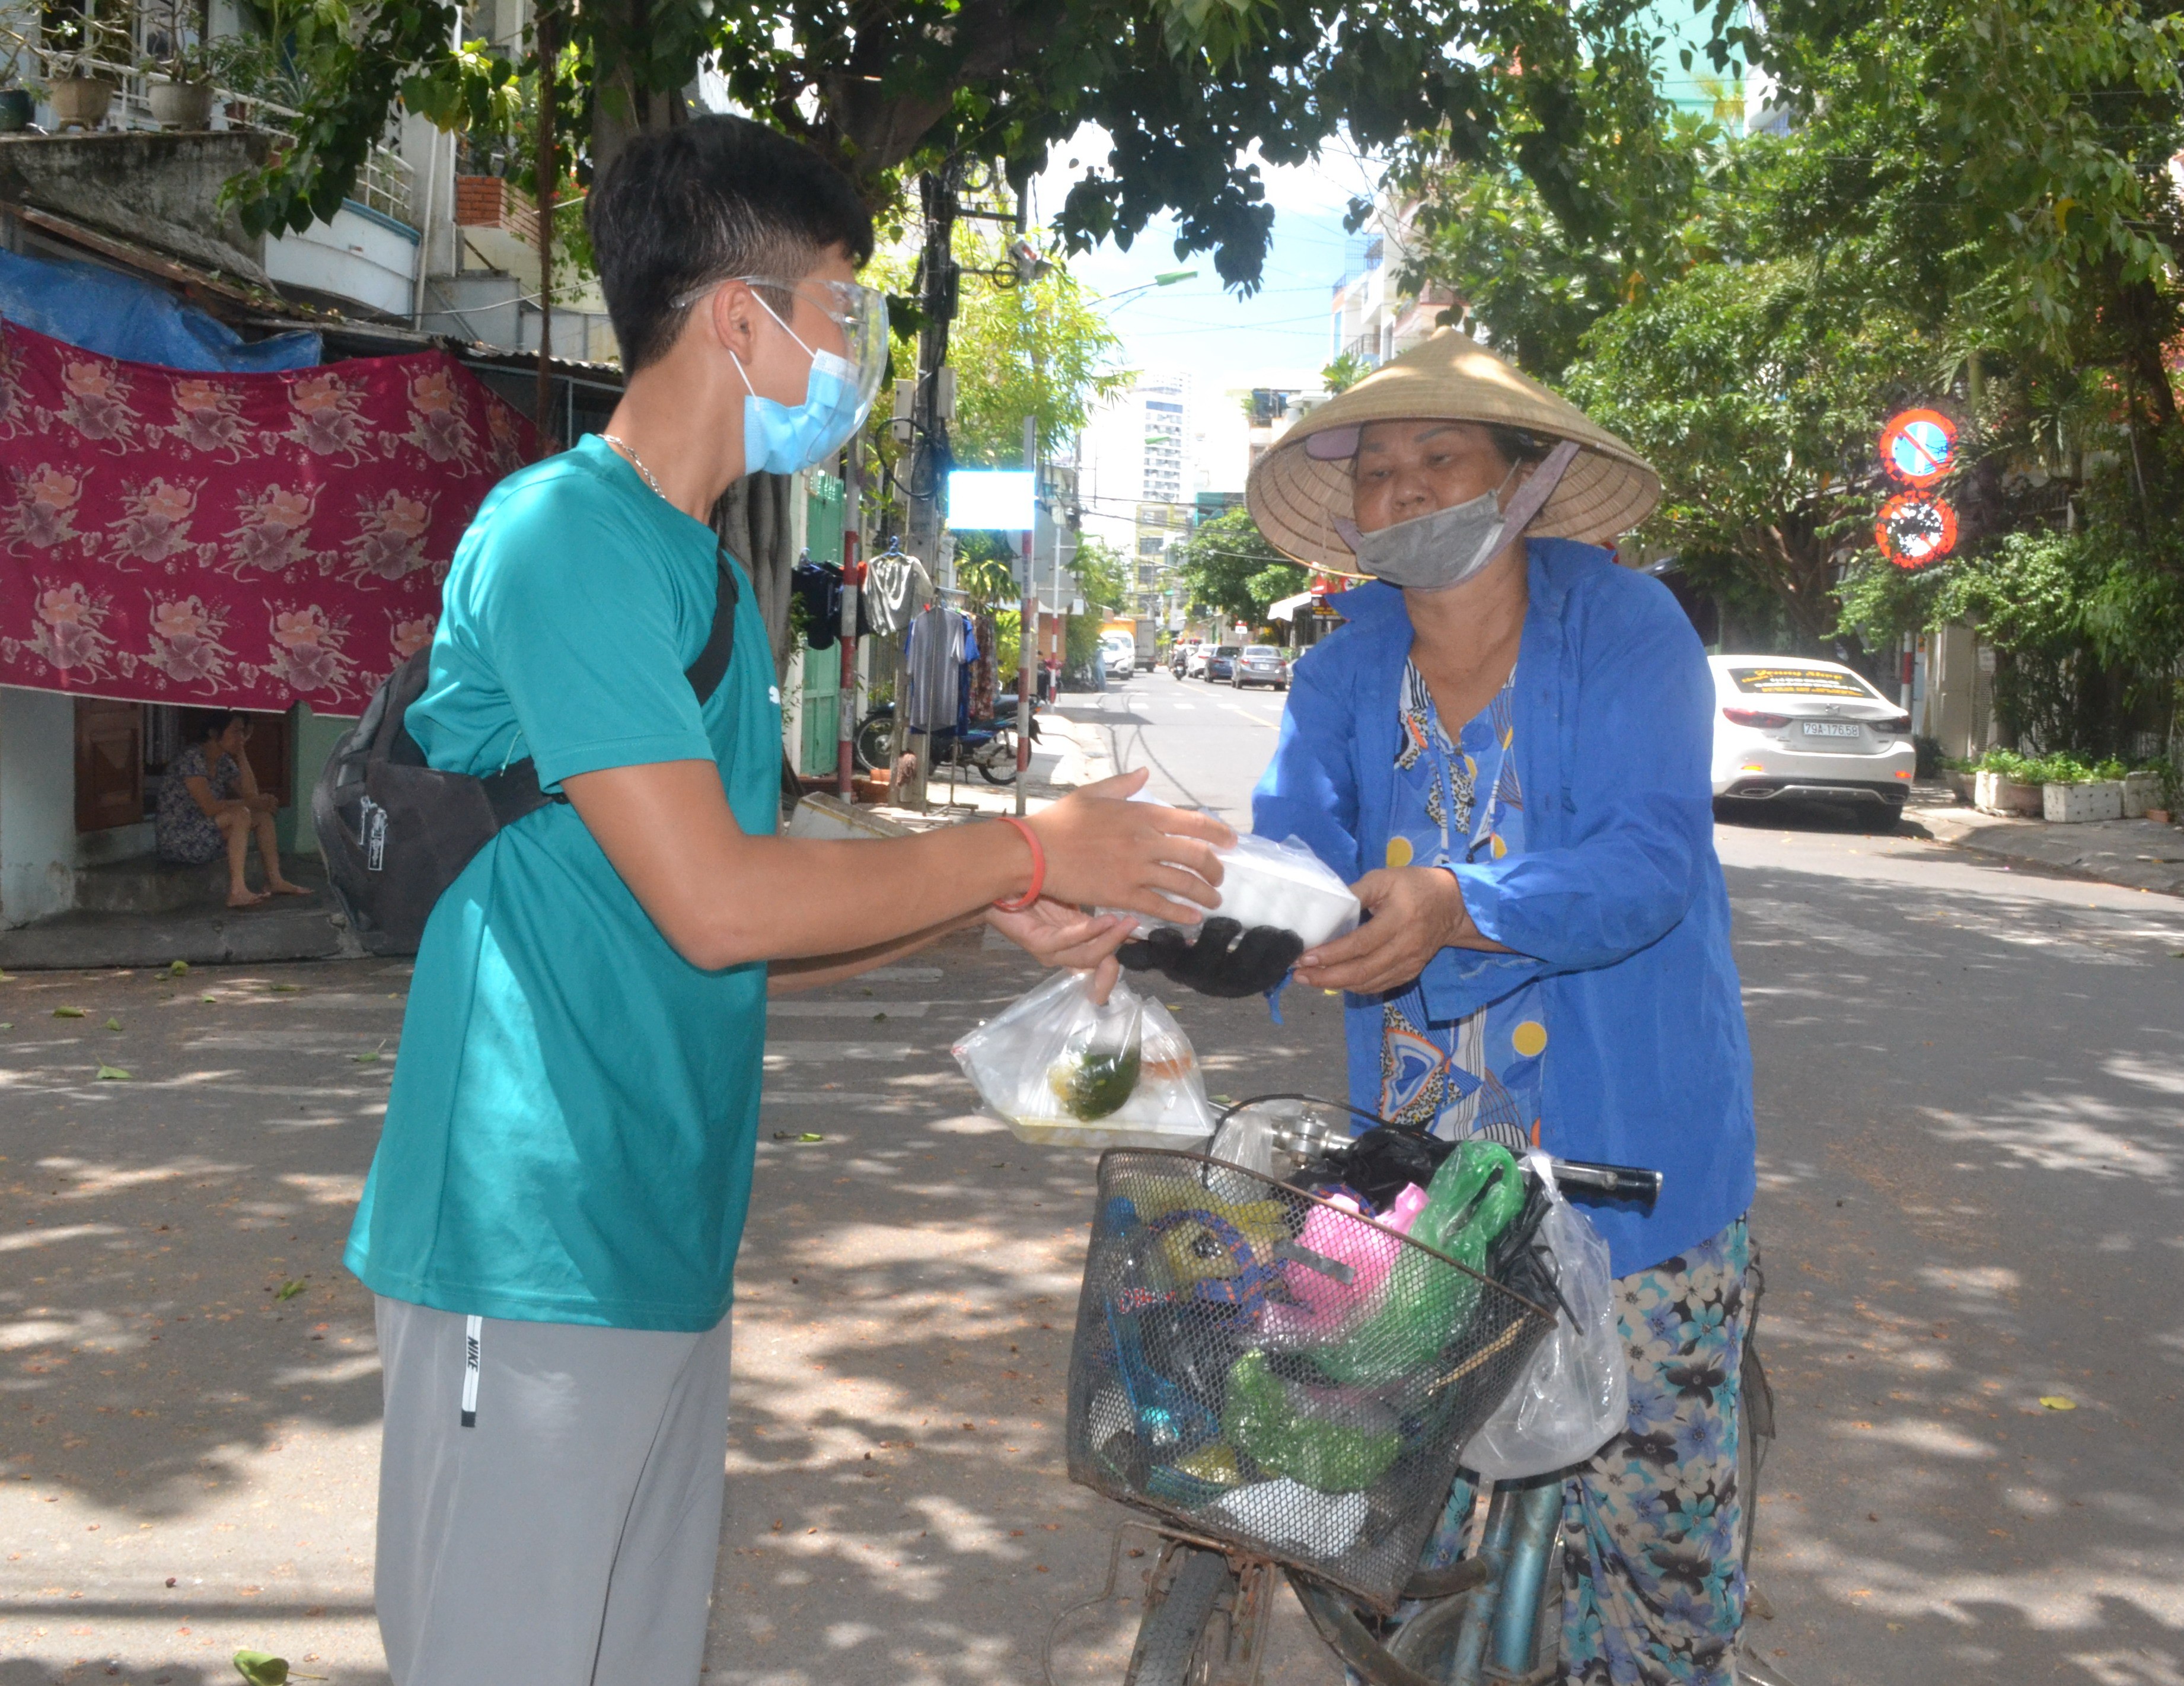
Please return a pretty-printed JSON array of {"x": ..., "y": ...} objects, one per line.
[
  {"x": 1914, "y": 529},
  {"x": 1919, "y": 446}
]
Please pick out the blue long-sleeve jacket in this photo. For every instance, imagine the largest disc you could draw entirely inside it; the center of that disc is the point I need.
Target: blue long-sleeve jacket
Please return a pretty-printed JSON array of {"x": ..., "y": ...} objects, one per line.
[{"x": 1615, "y": 904}]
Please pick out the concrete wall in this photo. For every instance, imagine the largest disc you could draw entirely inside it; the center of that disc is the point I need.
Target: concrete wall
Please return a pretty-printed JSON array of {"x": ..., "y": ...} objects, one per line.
[
  {"x": 312, "y": 740},
  {"x": 162, "y": 189},
  {"x": 362, "y": 255},
  {"x": 37, "y": 804}
]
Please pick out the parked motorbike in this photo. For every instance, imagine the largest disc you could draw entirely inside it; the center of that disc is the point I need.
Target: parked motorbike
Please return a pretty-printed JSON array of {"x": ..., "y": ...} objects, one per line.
[{"x": 988, "y": 746}]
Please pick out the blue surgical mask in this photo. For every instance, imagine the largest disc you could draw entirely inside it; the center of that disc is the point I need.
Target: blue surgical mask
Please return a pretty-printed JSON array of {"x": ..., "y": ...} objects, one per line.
[{"x": 780, "y": 438}]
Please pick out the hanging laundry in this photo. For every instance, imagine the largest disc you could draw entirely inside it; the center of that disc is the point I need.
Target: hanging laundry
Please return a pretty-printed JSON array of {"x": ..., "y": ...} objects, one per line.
[
  {"x": 818, "y": 586},
  {"x": 936, "y": 668}
]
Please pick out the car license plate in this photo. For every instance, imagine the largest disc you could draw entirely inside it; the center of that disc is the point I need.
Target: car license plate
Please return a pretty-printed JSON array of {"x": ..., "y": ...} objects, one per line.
[{"x": 1830, "y": 729}]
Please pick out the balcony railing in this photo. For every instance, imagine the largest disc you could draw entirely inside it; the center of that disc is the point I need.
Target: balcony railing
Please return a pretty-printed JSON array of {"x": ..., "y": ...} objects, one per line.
[{"x": 383, "y": 183}]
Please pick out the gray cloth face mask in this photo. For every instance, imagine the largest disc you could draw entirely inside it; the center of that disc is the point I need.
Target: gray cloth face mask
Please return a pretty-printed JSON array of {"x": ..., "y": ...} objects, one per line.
[{"x": 1445, "y": 547}]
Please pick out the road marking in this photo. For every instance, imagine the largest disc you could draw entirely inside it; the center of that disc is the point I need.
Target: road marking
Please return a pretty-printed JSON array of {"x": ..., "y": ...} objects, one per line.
[
  {"x": 845, "y": 1010},
  {"x": 1256, "y": 719},
  {"x": 785, "y": 1052}
]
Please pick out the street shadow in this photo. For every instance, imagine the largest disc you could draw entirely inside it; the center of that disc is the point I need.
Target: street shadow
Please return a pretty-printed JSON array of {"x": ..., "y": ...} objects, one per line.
[
  {"x": 1971, "y": 1172},
  {"x": 173, "y": 1296},
  {"x": 1781, "y": 813}
]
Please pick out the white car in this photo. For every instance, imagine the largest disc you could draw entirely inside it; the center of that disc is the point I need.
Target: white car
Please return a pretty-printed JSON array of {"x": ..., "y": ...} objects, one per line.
[
  {"x": 1120, "y": 649},
  {"x": 1812, "y": 731}
]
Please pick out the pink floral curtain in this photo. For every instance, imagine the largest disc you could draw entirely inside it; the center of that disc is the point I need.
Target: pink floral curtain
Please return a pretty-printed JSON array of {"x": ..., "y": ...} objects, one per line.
[{"x": 244, "y": 540}]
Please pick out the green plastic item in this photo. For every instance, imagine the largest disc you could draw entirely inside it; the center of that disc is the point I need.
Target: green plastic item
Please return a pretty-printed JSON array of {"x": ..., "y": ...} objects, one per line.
[
  {"x": 1263, "y": 1418},
  {"x": 1476, "y": 1194}
]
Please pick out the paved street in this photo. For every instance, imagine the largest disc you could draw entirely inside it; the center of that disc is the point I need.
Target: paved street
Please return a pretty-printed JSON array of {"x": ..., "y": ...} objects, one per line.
[{"x": 1969, "y": 1081}]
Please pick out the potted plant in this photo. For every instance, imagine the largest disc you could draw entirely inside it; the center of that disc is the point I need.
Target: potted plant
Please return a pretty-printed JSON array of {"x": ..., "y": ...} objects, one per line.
[
  {"x": 2168, "y": 790},
  {"x": 16, "y": 105},
  {"x": 2004, "y": 783},
  {"x": 80, "y": 96},
  {"x": 2072, "y": 793},
  {"x": 182, "y": 96}
]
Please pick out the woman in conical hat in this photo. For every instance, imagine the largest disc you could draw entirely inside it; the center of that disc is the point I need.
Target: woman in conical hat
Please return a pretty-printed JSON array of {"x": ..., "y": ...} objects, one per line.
[{"x": 1507, "y": 751}]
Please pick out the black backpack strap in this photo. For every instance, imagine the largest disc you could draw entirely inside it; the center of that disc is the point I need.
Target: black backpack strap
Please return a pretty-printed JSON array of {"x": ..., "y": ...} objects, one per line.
[{"x": 705, "y": 673}]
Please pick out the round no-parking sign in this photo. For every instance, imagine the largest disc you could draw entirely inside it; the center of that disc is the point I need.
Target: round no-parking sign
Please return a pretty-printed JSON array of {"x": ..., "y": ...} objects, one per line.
[{"x": 1919, "y": 446}]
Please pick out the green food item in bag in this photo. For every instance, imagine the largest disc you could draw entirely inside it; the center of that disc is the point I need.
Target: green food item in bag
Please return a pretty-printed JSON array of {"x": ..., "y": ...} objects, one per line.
[
  {"x": 1092, "y": 1082},
  {"x": 1265, "y": 1418},
  {"x": 1475, "y": 1195}
]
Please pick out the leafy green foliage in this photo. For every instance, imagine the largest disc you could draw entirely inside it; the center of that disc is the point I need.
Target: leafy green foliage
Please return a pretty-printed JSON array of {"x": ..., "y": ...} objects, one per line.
[
  {"x": 1103, "y": 574},
  {"x": 1229, "y": 565},
  {"x": 1343, "y": 373},
  {"x": 1753, "y": 391},
  {"x": 1191, "y": 92}
]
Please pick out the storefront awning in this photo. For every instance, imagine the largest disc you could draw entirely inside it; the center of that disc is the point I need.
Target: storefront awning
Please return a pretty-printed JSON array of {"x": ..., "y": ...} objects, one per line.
[
  {"x": 1287, "y": 608},
  {"x": 239, "y": 541}
]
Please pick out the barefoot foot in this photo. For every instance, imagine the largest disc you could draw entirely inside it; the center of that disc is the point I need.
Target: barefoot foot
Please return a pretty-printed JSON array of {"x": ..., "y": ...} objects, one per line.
[
  {"x": 283, "y": 887},
  {"x": 244, "y": 898}
]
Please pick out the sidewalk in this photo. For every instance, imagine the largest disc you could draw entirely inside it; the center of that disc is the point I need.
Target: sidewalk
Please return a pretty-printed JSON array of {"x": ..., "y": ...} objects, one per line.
[
  {"x": 184, "y": 915},
  {"x": 2136, "y": 853}
]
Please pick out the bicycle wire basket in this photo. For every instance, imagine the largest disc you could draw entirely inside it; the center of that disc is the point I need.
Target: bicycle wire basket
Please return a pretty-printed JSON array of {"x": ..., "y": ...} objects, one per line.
[{"x": 1272, "y": 1371}]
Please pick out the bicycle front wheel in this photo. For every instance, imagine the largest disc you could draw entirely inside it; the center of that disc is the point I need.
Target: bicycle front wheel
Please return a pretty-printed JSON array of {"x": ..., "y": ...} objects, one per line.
[{"x": 1181, "y": 1637}]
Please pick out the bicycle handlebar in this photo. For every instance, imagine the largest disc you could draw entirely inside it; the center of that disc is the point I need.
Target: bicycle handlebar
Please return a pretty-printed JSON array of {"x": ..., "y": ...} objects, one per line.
[{"x": 1628, "y": 1181}]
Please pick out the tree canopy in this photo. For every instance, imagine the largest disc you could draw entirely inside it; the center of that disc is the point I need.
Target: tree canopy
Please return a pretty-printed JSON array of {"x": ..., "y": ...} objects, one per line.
[
  {"x": 1228, "y": 565},
  {"x": 1193, "y": 94},
  {"x": 1971, "y": 206}
]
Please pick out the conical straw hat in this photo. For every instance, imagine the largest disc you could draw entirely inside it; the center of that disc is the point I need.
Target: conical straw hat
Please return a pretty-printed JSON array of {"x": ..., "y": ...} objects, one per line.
[{"x": 1297, "y": 492}]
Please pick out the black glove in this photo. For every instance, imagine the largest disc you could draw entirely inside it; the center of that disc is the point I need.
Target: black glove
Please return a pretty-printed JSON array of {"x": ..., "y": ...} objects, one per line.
[{"x": 1224, "y": 960}]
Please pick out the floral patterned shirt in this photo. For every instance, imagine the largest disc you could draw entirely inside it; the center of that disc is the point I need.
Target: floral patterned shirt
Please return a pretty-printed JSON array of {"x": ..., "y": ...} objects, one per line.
[{"x": 1457, "y": 800}]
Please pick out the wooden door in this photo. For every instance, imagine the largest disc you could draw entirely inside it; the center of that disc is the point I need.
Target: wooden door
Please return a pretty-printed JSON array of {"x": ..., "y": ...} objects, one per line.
[
  {"x": 109, "y": 764},
  {"x": 267, "y": 746}
]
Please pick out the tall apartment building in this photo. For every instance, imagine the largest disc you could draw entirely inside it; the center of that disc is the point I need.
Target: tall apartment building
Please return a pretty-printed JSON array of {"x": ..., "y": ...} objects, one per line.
[{"x": 1139, "y": 463}]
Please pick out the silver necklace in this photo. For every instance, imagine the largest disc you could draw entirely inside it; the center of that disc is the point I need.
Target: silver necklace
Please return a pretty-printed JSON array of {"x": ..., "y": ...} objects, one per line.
[{"x": 637, "y": 463}]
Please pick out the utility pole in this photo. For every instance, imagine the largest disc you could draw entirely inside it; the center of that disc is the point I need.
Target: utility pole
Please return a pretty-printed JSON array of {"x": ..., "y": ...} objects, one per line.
[
  {"x": 939, "y": 278},
  {"x": 853, "y": 579},
  {"x": 1028, "y": 625},
  {"x": 543, "y": 38},
  {"x": 1028, "y": 615}
]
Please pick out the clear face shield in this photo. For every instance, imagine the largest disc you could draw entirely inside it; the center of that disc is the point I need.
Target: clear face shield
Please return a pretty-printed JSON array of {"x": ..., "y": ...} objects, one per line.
[{"x": 838, "y": 396}]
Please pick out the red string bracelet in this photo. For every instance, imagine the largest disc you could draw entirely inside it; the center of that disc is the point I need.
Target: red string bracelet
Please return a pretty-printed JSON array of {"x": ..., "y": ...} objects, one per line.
[{"x": 1023, "y": 903}]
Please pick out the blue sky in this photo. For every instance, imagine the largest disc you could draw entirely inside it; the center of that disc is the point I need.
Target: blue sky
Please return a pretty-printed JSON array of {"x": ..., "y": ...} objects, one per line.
[{"x": 1195, "y": 325}]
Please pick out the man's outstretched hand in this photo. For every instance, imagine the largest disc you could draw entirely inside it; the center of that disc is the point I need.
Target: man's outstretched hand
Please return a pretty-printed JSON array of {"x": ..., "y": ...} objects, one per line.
[{"x": 1223, "y": 960}]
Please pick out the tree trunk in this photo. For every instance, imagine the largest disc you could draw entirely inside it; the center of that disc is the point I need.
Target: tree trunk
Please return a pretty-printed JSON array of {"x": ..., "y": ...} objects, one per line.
[
  {"x": 624, "y": 104},
  {"x": 752, "y": 518}
]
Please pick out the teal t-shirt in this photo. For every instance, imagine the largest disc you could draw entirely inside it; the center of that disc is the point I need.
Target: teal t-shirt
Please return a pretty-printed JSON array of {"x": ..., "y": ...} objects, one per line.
[{"x": 569, "y": 1135}]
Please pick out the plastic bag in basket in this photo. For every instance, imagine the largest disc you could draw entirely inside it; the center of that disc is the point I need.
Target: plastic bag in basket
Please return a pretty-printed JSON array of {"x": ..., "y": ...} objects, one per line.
[
  {"x": 1064, "y": 1072},
  {"x": 1574, "y": 1393}
]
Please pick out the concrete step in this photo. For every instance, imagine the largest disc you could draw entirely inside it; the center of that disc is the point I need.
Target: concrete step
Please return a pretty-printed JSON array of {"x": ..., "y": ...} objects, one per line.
[
  {"x": 144, "y": 912},
  {"x": 144, "y": 884}
]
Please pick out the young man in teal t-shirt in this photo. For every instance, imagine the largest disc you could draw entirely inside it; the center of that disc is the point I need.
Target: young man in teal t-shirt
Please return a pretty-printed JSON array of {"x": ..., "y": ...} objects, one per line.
[{"x": 551, "y": 1217}]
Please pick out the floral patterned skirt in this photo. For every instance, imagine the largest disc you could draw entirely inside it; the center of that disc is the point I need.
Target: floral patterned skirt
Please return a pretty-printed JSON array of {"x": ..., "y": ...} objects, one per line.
[{"x": 1653, "y": 1586}]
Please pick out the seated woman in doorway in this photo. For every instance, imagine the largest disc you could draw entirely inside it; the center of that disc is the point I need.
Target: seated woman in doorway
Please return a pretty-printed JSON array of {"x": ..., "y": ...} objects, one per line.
[{"x": 210, "y": 803}]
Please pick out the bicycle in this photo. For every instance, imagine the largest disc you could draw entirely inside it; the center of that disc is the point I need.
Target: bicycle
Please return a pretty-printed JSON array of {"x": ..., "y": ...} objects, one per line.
[{"x": 1494, "y": 1617}]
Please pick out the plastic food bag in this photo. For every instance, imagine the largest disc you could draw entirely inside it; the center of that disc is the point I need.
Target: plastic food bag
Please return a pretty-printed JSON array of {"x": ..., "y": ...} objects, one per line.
[
  {"x": 1283, "y": 884},
  {"x": 1574, "y": 1394},
  {"x": 1064, "y": 1072}
]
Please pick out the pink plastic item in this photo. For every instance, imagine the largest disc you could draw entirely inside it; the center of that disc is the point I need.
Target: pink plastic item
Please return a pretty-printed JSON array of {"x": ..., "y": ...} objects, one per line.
[{"x": 1323, "y": 1303}]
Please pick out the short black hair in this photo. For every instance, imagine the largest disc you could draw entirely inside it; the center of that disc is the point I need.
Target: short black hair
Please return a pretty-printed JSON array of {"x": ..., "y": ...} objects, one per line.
[
  {"x": 213, "y": 722},
  {"x": 708, "y": 200},
  {"x": 1516, "y": 446}
]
